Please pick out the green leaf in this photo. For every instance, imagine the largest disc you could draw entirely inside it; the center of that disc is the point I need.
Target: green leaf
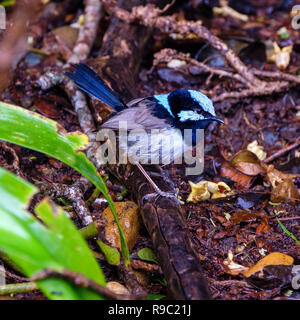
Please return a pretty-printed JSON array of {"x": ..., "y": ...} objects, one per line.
[
  {"x": 33, "y": 247},
  {"x": 274, "y": 203},
  {"x": 33, "y": 131},
  {"x": 284, "y": 35},
  {"x": 287, "y": 231},
  {"x": 147, "y": 255},
  {"x": 112, "y": 255},
  {"x": 155, "y": 296},
  {"x": 7, "y": 3}
]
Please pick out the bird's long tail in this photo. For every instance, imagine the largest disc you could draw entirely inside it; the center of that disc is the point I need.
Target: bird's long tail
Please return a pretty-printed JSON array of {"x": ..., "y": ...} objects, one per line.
[{"x": 88, "y": 80}]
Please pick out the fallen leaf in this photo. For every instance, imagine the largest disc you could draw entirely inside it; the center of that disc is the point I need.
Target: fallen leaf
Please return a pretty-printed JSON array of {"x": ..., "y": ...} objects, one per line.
[
  {"x": 199, "y": 192},
  {"x": 283, "y": 185},
  {"x": 241, "y": 216},
  {"x": 205, "y": 190},
  {"x": 281, "y": 56},
  {"x": 285, "y": 190},
  {"x": 272, "y": 259},
  {"x": 67, "y": 34},
  {"x": 112, "y": 255},
  {"x": 247, "y": 162},
  {"x": 147, "y": 254},
  {"x": 232, "y": 267},
  {"x": 257, "y": 150},
  {"x": 228, "y": 171},
  {"x": 272, "y": 277},
  {"x": 263, "y": 226}
]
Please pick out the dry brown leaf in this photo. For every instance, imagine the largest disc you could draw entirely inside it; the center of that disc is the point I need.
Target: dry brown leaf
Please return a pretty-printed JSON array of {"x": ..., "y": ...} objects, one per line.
[
  {"x": 272, "y": 259},
  {"x": 257, "y": 150},
  {"x": 247, "y": 162},
  {"x": 283, "y": 185},
  {"x": 199, "y": 192},
  {"x": 275, "y": 176},
  {"x": 232, "y": 267},
  {"x": 205, "y": 190},
  {"x": 263, "y": 226},
  {"x": 228, "y": 171},
  {"x": 282, "y": 56},
  {"x": 241, "y": 216}
]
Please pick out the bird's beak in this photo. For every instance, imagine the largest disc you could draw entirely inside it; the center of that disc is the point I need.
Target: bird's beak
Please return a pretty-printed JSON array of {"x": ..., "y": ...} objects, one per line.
[{"x": 214, "y": 118}]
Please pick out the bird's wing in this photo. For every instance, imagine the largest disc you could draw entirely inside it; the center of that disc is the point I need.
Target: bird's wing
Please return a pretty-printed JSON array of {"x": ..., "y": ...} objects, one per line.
[{"x": 139, "y": 116}]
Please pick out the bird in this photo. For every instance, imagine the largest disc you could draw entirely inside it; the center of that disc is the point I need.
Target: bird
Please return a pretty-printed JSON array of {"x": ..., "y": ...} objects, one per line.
[{"x": 162, "y": 116}]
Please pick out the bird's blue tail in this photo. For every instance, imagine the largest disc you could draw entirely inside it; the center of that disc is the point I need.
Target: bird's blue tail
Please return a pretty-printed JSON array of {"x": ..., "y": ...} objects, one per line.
[{"x": 88, "y": 80}]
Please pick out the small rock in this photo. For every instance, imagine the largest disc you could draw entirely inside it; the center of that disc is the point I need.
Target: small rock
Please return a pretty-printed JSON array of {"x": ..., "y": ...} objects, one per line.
[
  {"x": 117, "y": 287},
  {"x": 127, "y": 213}
]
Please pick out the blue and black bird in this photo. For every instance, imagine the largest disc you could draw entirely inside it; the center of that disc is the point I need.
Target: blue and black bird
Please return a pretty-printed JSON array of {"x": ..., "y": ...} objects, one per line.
[{"x": 171, "y": 113}]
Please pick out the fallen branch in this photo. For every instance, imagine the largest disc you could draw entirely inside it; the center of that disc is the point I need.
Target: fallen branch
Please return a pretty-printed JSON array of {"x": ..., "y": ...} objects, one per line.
[
  {"x": 18, "y": 288},
  {"x": 277, "y": 75},
  {"x": 86, "y": 37},
  {"x": 171, "y": 238},
  {"x": 149, "y": 16},
  {"x": 16, "y": 161},
  {"x": 84, "y": 282},
  {"x": 275, "y": 87},
  {"x": 74, "y": 194},
  {"x": 167, "y": 55},
  {"x": 149, "y": 267},
  {"x": 195, "y": 67},
  {"x": 282, "y": 151}
]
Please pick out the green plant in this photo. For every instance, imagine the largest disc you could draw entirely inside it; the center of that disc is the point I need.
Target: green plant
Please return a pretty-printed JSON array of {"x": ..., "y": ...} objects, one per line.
[
  {"x": 33, "y": 131},
  {"x": 33, "y": 247}
]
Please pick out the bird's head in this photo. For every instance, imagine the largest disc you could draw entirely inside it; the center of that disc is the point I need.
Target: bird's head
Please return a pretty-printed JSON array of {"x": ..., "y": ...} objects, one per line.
[{"x": 189, "y": 107}]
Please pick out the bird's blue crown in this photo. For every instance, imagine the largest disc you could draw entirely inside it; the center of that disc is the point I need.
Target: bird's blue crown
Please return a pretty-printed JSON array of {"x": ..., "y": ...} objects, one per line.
[{"x": 187, "y": 105}]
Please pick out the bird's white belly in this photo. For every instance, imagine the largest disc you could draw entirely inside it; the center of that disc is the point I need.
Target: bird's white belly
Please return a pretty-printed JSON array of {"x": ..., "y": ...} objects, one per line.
[{"x": 159, "y": 146}]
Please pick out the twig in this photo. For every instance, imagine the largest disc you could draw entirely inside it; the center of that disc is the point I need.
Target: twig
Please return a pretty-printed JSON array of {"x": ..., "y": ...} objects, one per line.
[
  {"x": 229, "y": 283},
  {"x": 282, "y": 151},
  {"x": 86, "y": 37},
  {"x": 74, "y": 194},
  {"x": 82, "y": 281},
  {"x": 166, "y": 55},
  {"x": 130, "y": 279},
  {"x": 18, "y": 288},
  {"x": 286, "y": 219},
  {"x": 15, "y": 277},
  {"x": 16, "y": 162},
  {"x": 149, "y": 16},
  {"x": 261, "y": 91},
  {"x": 278, "y": 75},
  {"x": 87, "y": 33},
  {"x": 149, "y": 267}
]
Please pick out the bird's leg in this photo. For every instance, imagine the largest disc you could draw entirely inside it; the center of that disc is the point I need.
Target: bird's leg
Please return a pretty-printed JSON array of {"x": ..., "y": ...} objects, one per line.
[{"x": 153, "y": 184}]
